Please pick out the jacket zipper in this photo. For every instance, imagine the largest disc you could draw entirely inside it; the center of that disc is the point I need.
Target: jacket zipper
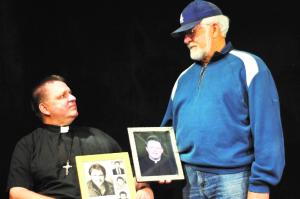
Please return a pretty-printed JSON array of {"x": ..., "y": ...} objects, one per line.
[{"x": 202, "y": 74}]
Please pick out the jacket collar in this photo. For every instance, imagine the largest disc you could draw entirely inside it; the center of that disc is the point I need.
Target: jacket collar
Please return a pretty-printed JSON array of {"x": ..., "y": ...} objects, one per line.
[{"x": 219, "y": 55}]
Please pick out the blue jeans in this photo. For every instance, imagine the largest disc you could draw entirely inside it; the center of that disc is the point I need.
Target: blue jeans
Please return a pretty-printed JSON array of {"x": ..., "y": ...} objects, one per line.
[{"x": 204, "y": 185}]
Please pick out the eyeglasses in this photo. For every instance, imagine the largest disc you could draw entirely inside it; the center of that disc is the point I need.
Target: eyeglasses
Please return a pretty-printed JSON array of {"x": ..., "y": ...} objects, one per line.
[{"x": 191, "y": 32}]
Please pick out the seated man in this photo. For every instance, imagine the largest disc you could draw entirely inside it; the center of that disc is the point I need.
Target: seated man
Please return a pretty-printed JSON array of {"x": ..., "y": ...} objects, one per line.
[{"x": 43, "y": 162}]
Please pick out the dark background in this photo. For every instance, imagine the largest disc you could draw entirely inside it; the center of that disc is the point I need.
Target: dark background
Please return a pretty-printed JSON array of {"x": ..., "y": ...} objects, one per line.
[{"x": 122, "y": 63}]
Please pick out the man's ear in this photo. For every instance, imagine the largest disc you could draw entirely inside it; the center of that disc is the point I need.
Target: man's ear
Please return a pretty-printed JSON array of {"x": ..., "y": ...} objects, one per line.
[
  {"x": 43, "y": 108},
  {"x": 216, "y": 30}
]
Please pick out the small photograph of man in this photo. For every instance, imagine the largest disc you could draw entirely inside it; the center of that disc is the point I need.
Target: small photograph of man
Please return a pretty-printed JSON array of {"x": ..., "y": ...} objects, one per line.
[
  {"x": 118, "y": 170},
  {"x": 155, "y": 161},
  {"x": 98, "y": 186},
  {"x": 120, "y": 183},
  {"x": 123, "y": 195}
]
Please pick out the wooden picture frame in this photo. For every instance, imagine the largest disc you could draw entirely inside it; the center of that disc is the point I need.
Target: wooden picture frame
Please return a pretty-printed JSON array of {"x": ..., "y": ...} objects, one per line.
[
  {"x": 90, "y": 167},
  {"x": 155, "y": 154}
]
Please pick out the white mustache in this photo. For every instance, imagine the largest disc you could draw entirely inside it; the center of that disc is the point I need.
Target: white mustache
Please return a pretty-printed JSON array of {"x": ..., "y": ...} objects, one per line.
[{"x": 190, "y": 46}]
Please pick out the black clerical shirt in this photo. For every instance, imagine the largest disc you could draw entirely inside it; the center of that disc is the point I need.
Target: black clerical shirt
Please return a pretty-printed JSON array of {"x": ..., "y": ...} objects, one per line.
[
  {"x": 38, "y": 159},
  {"x": 165, "y": 166}
]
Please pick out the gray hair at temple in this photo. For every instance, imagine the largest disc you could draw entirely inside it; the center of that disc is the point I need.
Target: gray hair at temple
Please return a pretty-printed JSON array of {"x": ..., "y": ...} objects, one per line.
[
  {"x": 38, "y": 93},
  {"x": 221, "y": 20}
]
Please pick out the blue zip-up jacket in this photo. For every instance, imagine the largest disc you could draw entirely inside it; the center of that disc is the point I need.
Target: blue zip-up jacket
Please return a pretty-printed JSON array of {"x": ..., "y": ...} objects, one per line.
[{"x": 227, "y": 118}]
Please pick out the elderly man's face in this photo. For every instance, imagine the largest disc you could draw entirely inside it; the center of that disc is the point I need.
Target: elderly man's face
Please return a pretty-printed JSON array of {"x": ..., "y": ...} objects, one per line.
[
  {"x": 154, "y": 149},
  {"x": 199, "y": 41}
]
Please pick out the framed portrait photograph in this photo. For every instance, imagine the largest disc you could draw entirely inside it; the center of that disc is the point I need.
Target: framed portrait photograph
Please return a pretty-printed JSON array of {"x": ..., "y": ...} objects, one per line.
[
  {"x": 154, "y": 153},
  {"x": 105, "y": 176}
]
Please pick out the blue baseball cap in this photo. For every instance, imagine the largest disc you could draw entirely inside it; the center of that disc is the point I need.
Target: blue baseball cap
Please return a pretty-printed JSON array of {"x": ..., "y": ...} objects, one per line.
[{"x": 193, "y": 13}]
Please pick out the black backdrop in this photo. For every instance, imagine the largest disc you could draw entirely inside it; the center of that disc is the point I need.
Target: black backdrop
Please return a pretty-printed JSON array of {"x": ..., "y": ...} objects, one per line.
[{"x": 121, "y": 64}]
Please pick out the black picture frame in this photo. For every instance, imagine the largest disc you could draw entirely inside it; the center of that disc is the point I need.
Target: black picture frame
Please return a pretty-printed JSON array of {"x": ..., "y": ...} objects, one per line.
[{"x": 164, "y": 163}]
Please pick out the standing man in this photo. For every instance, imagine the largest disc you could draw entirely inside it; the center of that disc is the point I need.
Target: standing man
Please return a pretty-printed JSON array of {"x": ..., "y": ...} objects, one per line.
[
  {"x": 43, "y": 162},
  {"x": 225, "y": 111}
]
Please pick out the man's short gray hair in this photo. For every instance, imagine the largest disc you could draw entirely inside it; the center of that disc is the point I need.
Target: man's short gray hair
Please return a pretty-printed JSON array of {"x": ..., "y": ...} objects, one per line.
[{"x": 221, "y": 20}]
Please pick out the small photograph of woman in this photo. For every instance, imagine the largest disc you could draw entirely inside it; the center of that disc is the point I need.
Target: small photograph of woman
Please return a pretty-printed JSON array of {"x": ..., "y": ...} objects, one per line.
[{"x": 98, "y": 186}]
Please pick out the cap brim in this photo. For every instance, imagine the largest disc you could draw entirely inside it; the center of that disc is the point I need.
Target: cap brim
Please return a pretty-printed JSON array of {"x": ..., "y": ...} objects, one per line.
[{"x": 183, "y": 29}]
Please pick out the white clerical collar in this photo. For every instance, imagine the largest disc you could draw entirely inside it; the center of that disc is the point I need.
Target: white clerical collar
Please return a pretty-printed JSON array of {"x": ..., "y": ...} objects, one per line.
[
  {"x": 64, "y": 129},
  {"x": 155, "y": 160}
]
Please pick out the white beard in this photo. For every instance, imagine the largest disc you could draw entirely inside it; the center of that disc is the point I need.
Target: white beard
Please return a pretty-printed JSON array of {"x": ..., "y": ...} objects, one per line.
[{"x": 197, "y": 53}]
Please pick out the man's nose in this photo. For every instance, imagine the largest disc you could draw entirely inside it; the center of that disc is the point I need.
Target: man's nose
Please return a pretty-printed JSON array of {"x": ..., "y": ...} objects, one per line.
[
  {"x": 187, "y": 39},
  {"x": 72, "y": 97}
]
